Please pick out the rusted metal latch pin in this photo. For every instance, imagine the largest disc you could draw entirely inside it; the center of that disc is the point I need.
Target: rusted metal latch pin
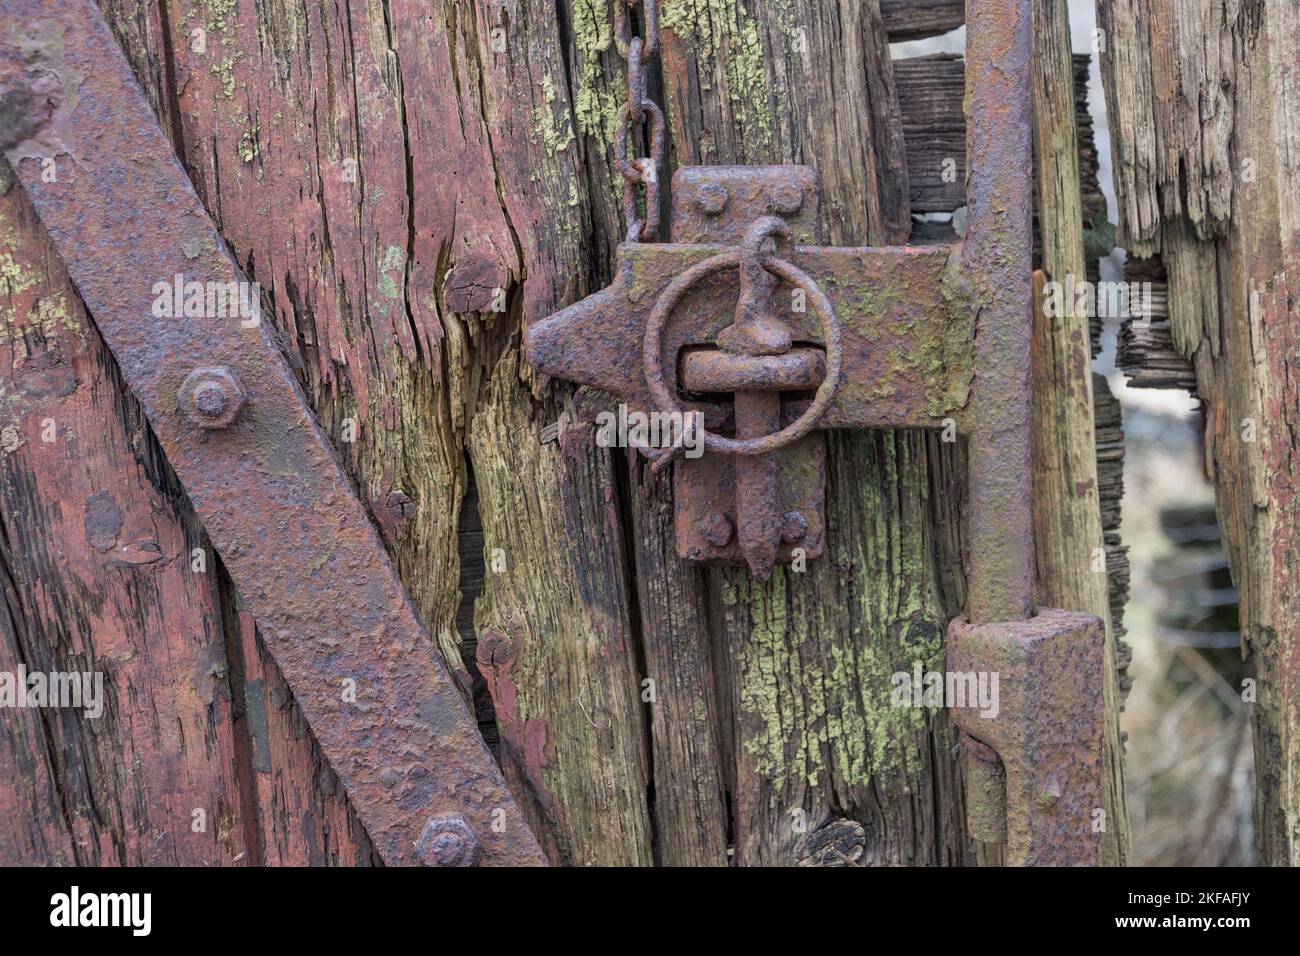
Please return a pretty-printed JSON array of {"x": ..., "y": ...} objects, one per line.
[
  {"x": 757, "y": 364},
  {"x": 836, "y": 337}
]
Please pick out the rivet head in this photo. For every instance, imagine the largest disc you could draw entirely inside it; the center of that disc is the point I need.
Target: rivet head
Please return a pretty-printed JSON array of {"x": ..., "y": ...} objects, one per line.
[
  {"x": 794, "y": 527},
  {"x": 713, "y": 198},
  {"x": 211, "y": 397},
  {"x": 787, "y": 198},
  {"x": 716, "y": 528},
  {"x": 448, "y": 841}
]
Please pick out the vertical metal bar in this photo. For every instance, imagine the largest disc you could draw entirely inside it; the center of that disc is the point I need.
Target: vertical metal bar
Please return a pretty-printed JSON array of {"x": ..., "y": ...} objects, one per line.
[
  {"x": 999, "y": 157},
  {"x": 758, "y": 483}
]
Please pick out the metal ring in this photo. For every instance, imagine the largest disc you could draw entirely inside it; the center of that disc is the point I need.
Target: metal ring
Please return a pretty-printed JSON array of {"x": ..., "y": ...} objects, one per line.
[{"x": 653, "y": 343}]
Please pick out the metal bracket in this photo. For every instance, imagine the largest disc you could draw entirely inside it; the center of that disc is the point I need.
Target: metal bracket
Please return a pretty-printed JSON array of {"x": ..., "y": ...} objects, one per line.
[
  {"x": 1033, "y": 771},
  {"x": 849, "y": 337},
  {"x": 236, "y": 428}
]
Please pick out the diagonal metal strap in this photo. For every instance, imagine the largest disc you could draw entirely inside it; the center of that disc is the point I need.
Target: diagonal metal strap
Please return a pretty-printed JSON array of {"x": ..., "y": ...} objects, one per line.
[{"x": 257, "y": 467}]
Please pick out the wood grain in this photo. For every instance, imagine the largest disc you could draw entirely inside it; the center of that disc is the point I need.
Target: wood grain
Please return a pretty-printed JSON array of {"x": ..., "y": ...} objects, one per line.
[
  {"x": 411, "y": 185},
  {"x": 1068, "y": 536},
  {"x": 1204, "y": 102}
]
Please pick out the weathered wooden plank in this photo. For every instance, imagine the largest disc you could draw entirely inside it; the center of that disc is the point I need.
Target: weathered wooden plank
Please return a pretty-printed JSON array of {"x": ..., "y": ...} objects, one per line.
[
  {"x": 95, "y": 561},
  {"x": 805, "y": 661},
  {"x": 554, "y": 641},
  {"x": 690, "y": 746},
  {"x": 567, "y": 697},
  {"x": 930, "y": 91},
  {"x": 1170, "y": 71},
  {"x": 144, "y": 31},
  {"x": 1204, "y": 105},
  {"x": 917, "y": 19},
  {"x": 386, "y": 275},
  {"x": 1260, "y": 292},
  {"x": 1068, "y": 537}
]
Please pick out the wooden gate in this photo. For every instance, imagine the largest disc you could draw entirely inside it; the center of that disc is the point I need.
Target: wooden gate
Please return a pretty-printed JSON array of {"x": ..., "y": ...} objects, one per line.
[{"x": 410, "y": 185}]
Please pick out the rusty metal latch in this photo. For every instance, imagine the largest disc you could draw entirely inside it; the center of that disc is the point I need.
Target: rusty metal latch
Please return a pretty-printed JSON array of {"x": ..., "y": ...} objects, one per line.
[
  {"x": 742, "y": 302},
  {"x": 257, "y": 467}
]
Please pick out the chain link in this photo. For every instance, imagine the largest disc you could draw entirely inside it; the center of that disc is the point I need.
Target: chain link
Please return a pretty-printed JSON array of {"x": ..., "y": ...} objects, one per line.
[{"x": 639, "y": 110}]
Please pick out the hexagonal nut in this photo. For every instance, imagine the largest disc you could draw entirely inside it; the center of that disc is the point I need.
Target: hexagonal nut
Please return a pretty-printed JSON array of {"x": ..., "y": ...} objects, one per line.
[
  {"x": 211, "y": 397},
  {"x": 448, "y": 841}
]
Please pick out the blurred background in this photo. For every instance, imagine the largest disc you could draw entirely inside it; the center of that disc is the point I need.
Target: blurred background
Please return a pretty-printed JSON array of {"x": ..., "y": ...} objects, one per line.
[{"x": 1189, "y": 762}]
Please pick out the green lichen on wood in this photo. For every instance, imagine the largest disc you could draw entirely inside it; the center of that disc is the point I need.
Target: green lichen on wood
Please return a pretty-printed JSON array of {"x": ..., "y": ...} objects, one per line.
[
  {"x": 392, "y": 277},
  {"x": 595, "y": 106},
  {"x": 814, "y": 675},
  {"x": 728, "y": 43},
  {"x": 47, "y": 315},
  {"x": 770, "y": 667},
  {"x": 224, "y": 70},
  {"x": 807, "y": 706},
  {"x": 217, "y": 17},
  {"x": 555, "y": 132},
  {"x": 218, "y": 14},
  {"x": 249, "y": 148},
  {"x": 13, "y": 277}
]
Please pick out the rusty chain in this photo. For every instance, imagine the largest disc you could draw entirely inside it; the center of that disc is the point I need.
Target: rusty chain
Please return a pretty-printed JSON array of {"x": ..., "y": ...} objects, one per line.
[{"x": 639, "y": 109}]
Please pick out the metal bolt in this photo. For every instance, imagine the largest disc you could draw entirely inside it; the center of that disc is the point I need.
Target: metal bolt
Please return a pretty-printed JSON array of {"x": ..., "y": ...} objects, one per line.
[
  {"x": 787, "y": 198},
  {"x": 716, "y": 528},
  {"x": 211, "y": 397},
  {"x": 794, "y": 527},
  {"x": 713, "y": 198},
  {"x": 448, "y": 841}
]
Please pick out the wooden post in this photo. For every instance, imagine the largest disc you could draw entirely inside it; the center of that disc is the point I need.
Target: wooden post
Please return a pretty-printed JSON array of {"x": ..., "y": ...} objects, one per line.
[
  {"x": 1069, "y": 547},
  {"x": 1212, "y": 190}
]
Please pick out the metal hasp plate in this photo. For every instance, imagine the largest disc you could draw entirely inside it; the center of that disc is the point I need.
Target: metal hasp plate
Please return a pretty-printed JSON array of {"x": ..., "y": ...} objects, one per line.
[
  {"x": 741, "y": 302},
  {"x": 236, "y": 428},
  {"x": 800, "y": 336}
]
